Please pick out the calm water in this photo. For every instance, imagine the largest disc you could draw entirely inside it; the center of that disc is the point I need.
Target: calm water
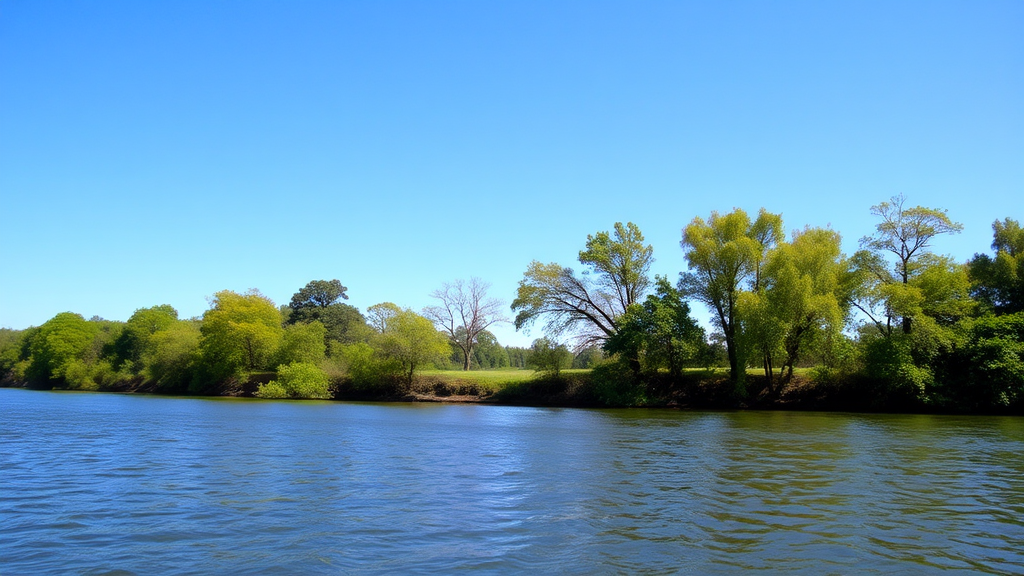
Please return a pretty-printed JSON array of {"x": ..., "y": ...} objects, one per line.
[{"x": 102, "y": 483}]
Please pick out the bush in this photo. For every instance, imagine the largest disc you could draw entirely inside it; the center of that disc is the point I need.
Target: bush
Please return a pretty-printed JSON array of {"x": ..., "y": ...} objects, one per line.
[
  {"x": 614, "y": 384},
  {"x": 304, "y": 380},
  {"x": 271, "y": 389}
]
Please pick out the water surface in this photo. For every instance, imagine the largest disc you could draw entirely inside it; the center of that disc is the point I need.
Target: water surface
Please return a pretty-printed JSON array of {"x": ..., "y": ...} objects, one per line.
[{"x": 95, "y": 483}]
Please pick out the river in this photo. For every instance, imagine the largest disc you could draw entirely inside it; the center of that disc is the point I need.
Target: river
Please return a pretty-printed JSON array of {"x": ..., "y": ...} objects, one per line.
[{"x": 115, "y": 484}]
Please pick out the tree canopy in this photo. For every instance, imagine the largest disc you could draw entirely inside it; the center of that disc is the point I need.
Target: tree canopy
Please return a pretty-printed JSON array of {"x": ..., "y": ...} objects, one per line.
[{"x": 587, "y": 305}]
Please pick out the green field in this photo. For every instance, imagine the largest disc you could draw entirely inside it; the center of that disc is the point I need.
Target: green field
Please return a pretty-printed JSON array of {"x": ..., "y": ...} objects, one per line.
[{"x": 489, "y": 380}]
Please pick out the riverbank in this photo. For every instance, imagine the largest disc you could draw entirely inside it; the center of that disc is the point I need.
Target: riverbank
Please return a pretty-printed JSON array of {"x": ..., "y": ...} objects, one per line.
[{"x": 695, "y": 389}]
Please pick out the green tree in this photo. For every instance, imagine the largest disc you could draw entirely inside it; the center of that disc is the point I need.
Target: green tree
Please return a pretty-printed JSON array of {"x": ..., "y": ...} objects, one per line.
[
  {"x": 171, "y": 356},
  {"x": 905, "y": 234},
  {"x": 589, "y": 304},
  {"x": 132, "y": 342},
  {"x": 722, "y": 254},
  {"x": 549, "y": 356},
  {"x": 998, "y": 282},
  {"x": 412, "y": 341},
  {"x": 804, "y": 300},
  {"x": 320, "y": 301},
  {"x": 380, "y": 315},
  {"x": 240, "y": 332},
  {"x": 60, "y": 344},
  {"x": 660, "y": 332},
  {"x": 303, "y": 343}
]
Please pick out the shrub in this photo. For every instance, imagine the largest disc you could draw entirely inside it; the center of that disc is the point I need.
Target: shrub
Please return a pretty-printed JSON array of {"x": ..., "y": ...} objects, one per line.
[
  {"x": 304, "y": 380},
  {"x": 271, "y": 389}
]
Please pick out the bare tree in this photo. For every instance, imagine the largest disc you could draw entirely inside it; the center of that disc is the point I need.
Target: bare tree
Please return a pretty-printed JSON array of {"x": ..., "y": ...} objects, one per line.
[{"x": 465, "y": 312}]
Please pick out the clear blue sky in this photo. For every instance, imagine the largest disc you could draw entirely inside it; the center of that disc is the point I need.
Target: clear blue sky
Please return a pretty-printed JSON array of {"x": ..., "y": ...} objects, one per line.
[{"x": 157, "y": 152}]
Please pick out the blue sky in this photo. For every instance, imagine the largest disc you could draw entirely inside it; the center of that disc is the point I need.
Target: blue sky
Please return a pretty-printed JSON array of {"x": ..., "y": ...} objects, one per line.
[{"x": 157, "y": 152}]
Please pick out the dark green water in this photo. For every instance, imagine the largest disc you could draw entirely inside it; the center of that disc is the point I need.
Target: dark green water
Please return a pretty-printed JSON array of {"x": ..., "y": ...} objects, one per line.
[{"x": 95, "y": 483}]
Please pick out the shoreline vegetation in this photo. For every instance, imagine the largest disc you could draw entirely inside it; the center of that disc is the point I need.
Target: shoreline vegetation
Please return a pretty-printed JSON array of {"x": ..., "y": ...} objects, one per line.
[{"x": 796, "y": 324}]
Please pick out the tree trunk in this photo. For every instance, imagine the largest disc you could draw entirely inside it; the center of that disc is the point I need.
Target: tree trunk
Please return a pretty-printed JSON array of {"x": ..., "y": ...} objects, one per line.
[{"x": 468, "y": 353}]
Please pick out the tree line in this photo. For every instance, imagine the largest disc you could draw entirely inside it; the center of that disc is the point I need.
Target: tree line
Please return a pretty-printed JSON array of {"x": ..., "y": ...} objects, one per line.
[{"x": 894, "y": 325}]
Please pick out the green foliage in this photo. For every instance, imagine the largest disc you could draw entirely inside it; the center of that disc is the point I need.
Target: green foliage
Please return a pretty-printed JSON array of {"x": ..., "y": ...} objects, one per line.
[
  {"x": 366, "y": 368},
  {"x": 660, "y": 333},
  {"x": 412, "y": 341},
  {"x": 899, "y": 380},
  {"x": 271, "y": 390},
  {"x": 549, "y": 357},
  {"x": 380, "y": 315},
  {"x": 319, "y": 301},
  {"x": 171, "y": 357},
  {"x": 10, "y": 349},
  {"x": 240, "y": 332},
  {"x": 133, "y": 340},
  {"x": 998, "y": 282},
  {"x": 591, "y": 303},
  {"x": 318, "y": 294},
  {"x": 60, "y": 345},
  {"x": 298, "y": 380},
  {"x": 803, "y": 302},
  {"x": 900, "y": 291},
  {"x": 723, "y": 253},
  {"x": 614, "y": 384},
  {"x": 588, "y": 357},
  {"x": 303, "y": 343},
  {"x": 488, "y": 354},
  {"x": 987, "y": 369}
]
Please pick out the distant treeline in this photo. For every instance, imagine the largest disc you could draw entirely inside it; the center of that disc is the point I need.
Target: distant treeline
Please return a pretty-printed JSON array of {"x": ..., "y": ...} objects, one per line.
[{"x": 893, "y": 326}]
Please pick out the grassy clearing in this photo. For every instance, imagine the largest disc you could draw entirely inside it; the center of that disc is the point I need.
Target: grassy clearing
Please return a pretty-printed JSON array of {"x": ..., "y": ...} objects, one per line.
[{"x": 487, "y": 380}]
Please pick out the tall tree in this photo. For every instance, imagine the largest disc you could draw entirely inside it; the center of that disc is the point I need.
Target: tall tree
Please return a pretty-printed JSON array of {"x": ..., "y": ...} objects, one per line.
[
  {"x": 907, "y": 234},
  {"x": 321, "y": 301},
  {"x": 464, "y": 312},
  {"x": 660, "y": 332},
  {"x": 999, "y": 282},
  {"x": 722, "y": 253},
  {"x": 587, "y": 305},
  {"x": 412, "y": 341},
  {"x": 804, "y": 298},
  {"x": 239, "y": 332}
]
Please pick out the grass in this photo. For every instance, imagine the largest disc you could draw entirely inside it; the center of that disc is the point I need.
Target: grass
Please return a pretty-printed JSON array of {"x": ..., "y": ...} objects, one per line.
[{"x": 487, "y": 380}]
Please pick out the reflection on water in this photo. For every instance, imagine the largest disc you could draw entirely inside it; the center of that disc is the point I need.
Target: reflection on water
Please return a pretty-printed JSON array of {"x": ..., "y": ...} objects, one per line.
[{"x": 92, "y": 483}]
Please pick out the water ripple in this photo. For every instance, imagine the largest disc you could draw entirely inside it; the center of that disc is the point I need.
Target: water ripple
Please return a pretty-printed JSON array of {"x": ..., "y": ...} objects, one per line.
[{"x": 107, "y": 484}]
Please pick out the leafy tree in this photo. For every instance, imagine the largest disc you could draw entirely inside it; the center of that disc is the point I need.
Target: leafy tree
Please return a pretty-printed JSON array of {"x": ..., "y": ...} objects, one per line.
[
  {"x": 240, "y": 332},
  {"x": 380, "y": 315},
  {"x": 303, "y": 343},
  {"x": 132, "y": 342},
  {"x": 806, "y": 288},
  {"x": 986, "y": 371},
  {"x": 723, "y": 253},
  {"x": 905, "y": 233},
  {"x": 412, "y": 341},
  {"x": 998, "y": 282},
  {"x": 549, "y": 356},
  {"x": 589, "y": 304},
  {"x": 518, "y": 357},
  {"x": 61, "y": 342},
  {"x": 465, "y": 311},
  {"x": 171, "y": 356},
  {"x": 318, "y": 294},
  {"x": 660, "y": 332},
  {"x": 320, "y": 301}
]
